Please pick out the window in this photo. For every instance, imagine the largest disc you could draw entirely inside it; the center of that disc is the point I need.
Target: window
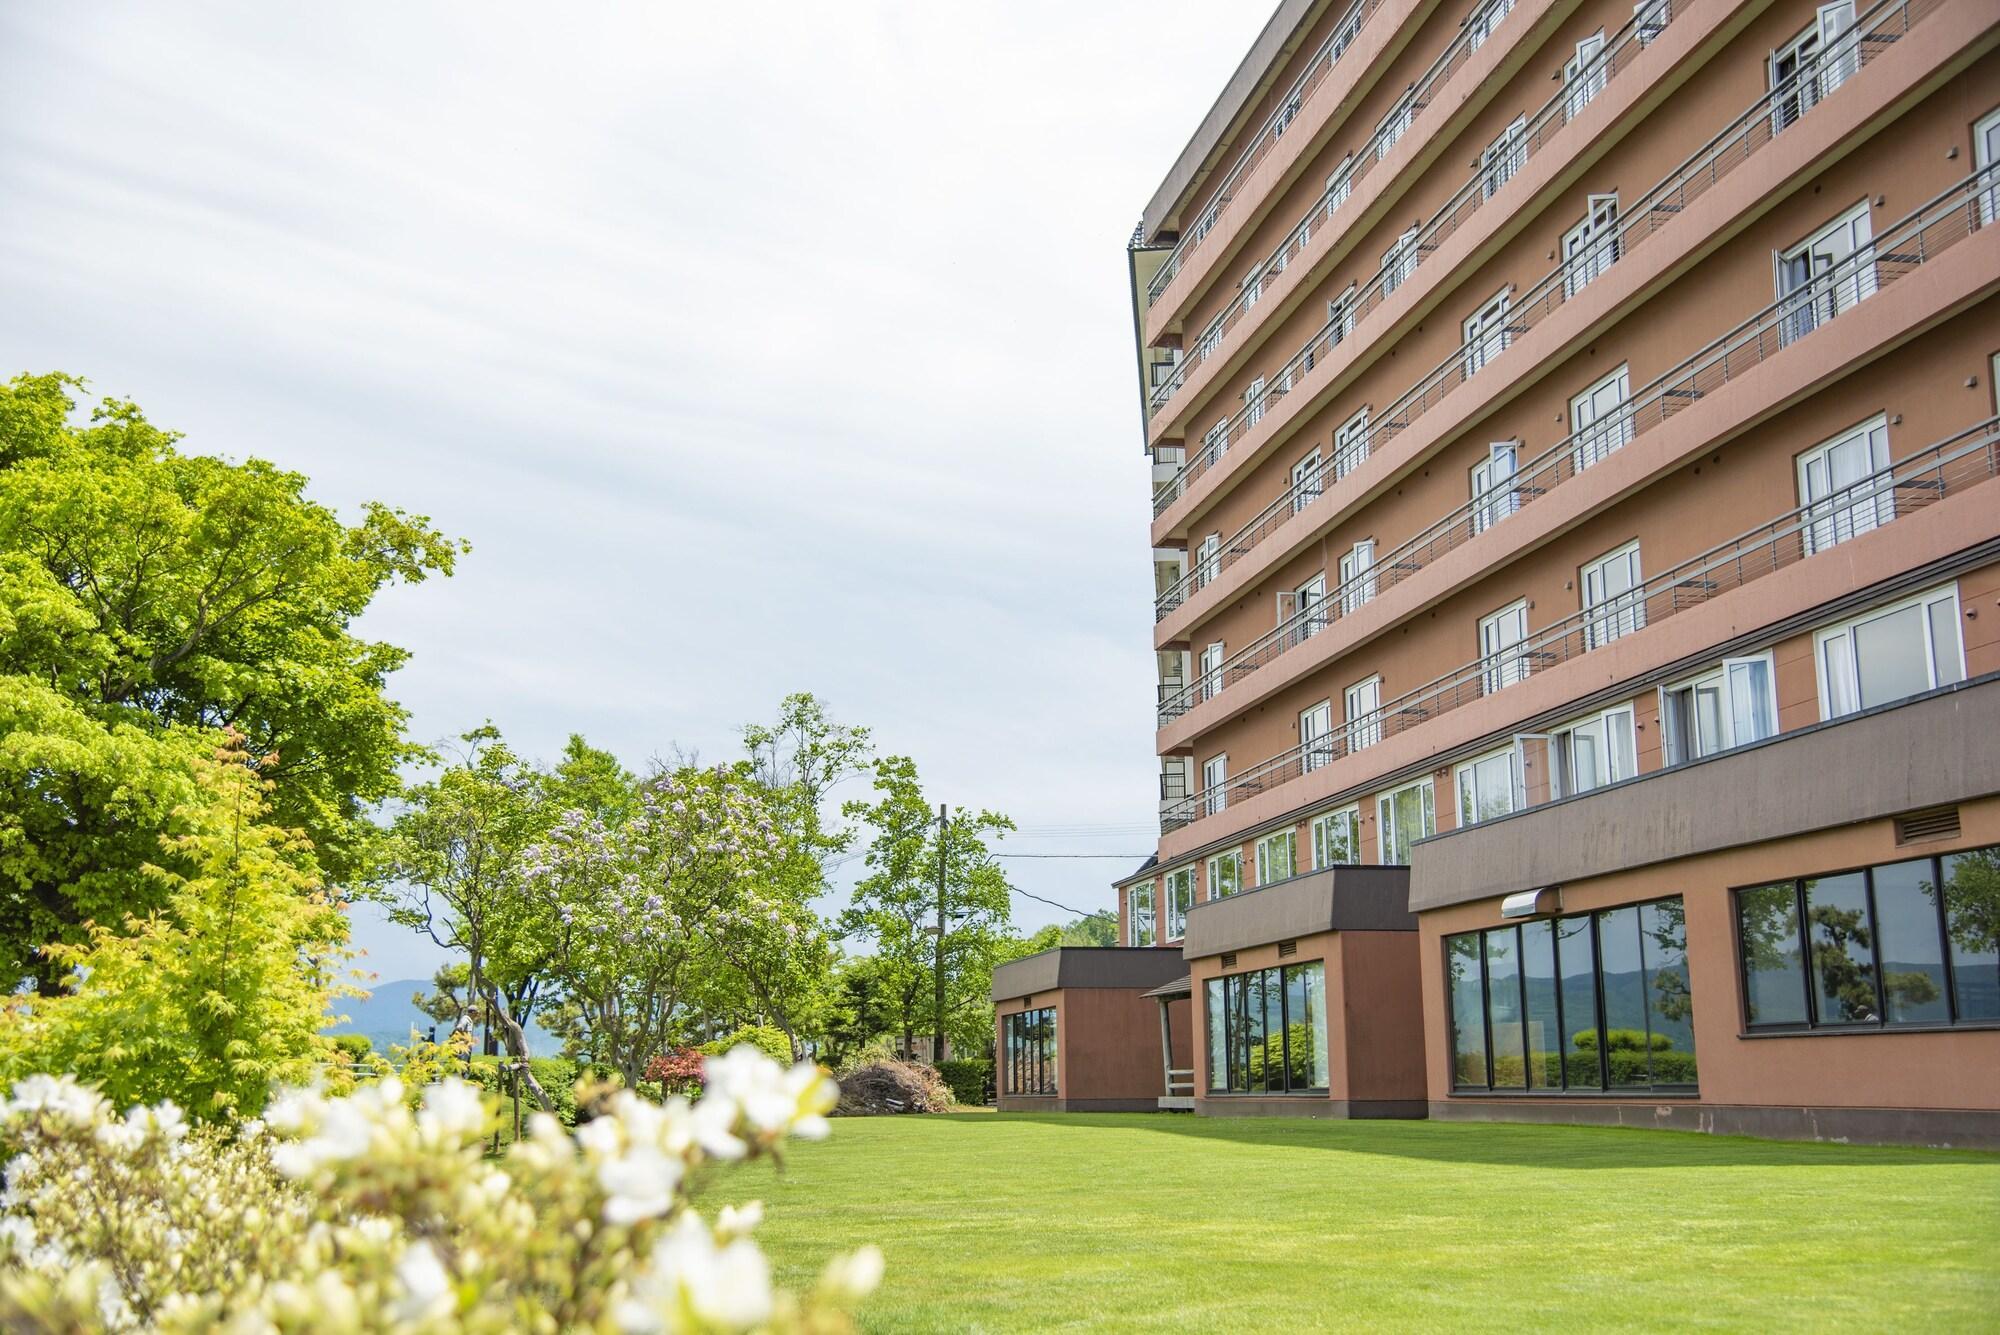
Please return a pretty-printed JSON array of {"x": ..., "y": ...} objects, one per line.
[
  {"x": 1600, "y": 419},
  {"x": 1214, "y": 781},
  {"x": 1277, "y": 856},
  {"x": 1811, "y": 65},
  {"x": 1031, "y": 1051},
  {"x": 1253, "y": 403},
  {"x": 1482, "y": 23},
  {"x": 1267, "y": 1031},
  {"x": 1336, "y": 838},
  {"x": 1589, "y": 754},
  {"x": 1731, "y": 705},
  {"x": 1584, "y": 75},
  {"x": 1614, "y": 595},
  {"x": 1583, "y": 1004},
  {"x": 1652, "y": 16},
  {"x": 1500, "y": 637},
  {"x": 1286, "y": 115},
  {"x": 1844, "y": 484},
  {"x": 1393, "y": 127},
  {"x": 1494, "y": 497},
  {"x": 1826, "y": 274},
  {"x": 1363, "y": 700},
  {"x": 1216, "y": 443},
  {"x": 1225, "y": 874},
  {"x": 1340, "y": 183},
  {"x": 1316, "y": 736},
  {"x": 1139, "y": 914},
  {"x": 1889, "y": 654},
  {"x": 1405, "y": 816},
  {"x": 1253, "y": 287},
  {"x": 1207, "y": 560},
  {"x": 1907, "y": 943},
  {"x": 1340, "y": 318},
  {"x": 1985, "y": 153},
  {"x": 1356, "y": 584},
  {"x": 1211, "y": 671},
  {"x": 1302, "y": 609},
  {"x": 1350, "y": 444},
  {"x": 1486, "y": 787},
  {"x": 1305, "y": 482},
  {"x": 1591, "y": 246},
  {"x": 1503, "y": 157},
  {"x": 1399, "y": 262},
  {"x": 1180, "y": 898},
  {"x": 1210, "y": 340},
  {"x": 1485, "y": 333}
]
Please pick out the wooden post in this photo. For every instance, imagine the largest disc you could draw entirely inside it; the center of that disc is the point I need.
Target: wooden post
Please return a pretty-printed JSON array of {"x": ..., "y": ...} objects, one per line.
[{"x": 1166, "y": 1050}]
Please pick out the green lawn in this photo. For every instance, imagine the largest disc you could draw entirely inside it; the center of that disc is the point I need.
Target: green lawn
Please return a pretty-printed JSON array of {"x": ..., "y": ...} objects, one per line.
[{"x": 1161, "y": 1222}]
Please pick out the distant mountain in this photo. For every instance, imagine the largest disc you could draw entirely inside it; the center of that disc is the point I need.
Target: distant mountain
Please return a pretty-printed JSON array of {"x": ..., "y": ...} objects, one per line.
[{"x": 386, "y": 1015}]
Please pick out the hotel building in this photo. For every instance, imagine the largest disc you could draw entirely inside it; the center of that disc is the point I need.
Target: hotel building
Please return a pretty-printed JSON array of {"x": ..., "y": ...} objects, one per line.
[{"x": 1576, "y": 536}]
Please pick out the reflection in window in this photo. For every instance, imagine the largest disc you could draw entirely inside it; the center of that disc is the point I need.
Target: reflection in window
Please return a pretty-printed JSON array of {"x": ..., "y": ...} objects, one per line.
[
  {"x": 1267, "y": 1031},
  {"x": 1587, "y": 1002},
  {"x": 1907, "y": 943},
  {"x": 1030, "y": 1040}
]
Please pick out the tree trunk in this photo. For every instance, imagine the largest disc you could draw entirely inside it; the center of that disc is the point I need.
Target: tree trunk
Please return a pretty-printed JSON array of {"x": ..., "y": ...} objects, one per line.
[{"x": 517, "y": 1046}]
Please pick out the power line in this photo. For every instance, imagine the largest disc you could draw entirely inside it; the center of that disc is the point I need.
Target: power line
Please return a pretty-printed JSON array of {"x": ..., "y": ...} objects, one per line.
[
  {"x": 1122, "y": 857},
  {"x": 1100, "y": 913}
]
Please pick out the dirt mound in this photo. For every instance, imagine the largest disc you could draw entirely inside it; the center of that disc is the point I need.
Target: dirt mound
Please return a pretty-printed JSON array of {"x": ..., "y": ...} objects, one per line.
[{"x": 882, "y": 1088}]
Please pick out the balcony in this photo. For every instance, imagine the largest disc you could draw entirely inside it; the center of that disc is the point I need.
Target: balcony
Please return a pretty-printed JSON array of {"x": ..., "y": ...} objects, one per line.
[
  {"x": 1739, "y": 142},
  {"x": 1336, "y": 899},
  {"x": 1296, "y": 100},
  {"x": 1666, "y": 202},
  {"x": 1931, "y": 751},
  {"x": 1920, "y": 238},
  {"x": 1946, "y": 469},
  {"x": 1329, "y": 210}
]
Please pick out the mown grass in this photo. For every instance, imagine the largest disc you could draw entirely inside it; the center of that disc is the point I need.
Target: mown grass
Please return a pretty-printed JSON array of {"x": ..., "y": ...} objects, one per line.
[{"x": 1138, "y": 1222}]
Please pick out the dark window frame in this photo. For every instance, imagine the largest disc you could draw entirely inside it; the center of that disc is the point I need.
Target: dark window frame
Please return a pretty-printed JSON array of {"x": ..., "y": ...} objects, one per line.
[
  {"x": 1029, "y": 1051},
  {"x": 1604, "y": 1088},
  {"x": 1282, "y": 974},
  {"x": 1813, "y": 1023}
]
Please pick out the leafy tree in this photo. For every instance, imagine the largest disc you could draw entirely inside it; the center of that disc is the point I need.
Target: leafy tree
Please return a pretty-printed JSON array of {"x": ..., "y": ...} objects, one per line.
[
  {"x": 150, "y": 595},
  {"x": 1096, "y": 929},
  {"x": 217, "y": 995},
  {"x": 896, "y": 907}
]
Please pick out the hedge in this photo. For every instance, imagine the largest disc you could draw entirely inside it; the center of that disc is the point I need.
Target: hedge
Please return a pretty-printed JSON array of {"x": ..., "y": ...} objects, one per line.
[
  {"x": 968, "y": 1078},
  {"x": 556, "y": 1075}
]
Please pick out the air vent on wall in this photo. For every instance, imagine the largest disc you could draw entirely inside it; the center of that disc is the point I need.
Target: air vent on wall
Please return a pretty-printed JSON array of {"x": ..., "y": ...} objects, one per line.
[
  {"x": 1936, "y": 823},
  {"x": 1229, "y": 960},
  {"x": 1287, "y": 949}
]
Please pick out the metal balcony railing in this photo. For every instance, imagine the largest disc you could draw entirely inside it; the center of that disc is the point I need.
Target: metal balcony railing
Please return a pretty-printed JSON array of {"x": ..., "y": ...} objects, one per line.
[
  {"x": 1323, "y": 60},
  {"x": 1728, "y": 150},
  {"x": 1919, "y": 238},
  {"x": 1477, "y": 29},
  {"x": 1506, "y": 157},
  {"x": 1945, "y": 469},
  {"x": 1741, "y": 139}
]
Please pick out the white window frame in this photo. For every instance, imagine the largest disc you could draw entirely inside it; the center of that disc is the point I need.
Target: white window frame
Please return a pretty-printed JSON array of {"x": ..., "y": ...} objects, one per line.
[
  {"x": 1816, "y": 73},
  {"x": 1175, "y": 927},
  {"x": 1840, "y": 510},
  {"x": 1815, "y": 298},
  {"x": 1321, "y": 828},
  {"x": 1306, "y": 483},
  {"x": 1350, "y": 445},
  {"x": 1655, "y": 25},
  {"x": 1207, "y": 560},
  {"x": 1729, "y": 684},
  {"x": 1562, "y": 751},
  {"x": 1340, "y": 183},
  {"x": 1362, "y": 705},
  {"x": 1316, "y": 749},
  {"x": 1504, "y": 157},
  {"x": 1394, "y": 126},
  {"x": 1216, "y": 442},
  {"x": 1613, "y": 615},
  {"x": 1233, "y": 859},
  {"x": 1505, "y": 661},
  {"x": 1253, "y": 403},
  {"x": 1399, "y": 262},
  {"x": 1211, "y": 670},
  {"x": 1385, "y": 822},
  {"x": 1295, "y": 607},
  {"x": 1355, "y": 591},
  {"x": 1134, "y": 916},
  {"x": 1266, "y": 847},
  {"x": 1580, "y": 91},
  {"x": 1483, "y": 22},
  {"x": 1600, "y": 419},
  {"x": 1591, "y": 247},
  {"x": 1938, "y": 604},
  {"x": 1485, "y": 332},
  {"x": 1985, "y": 153},
  {"x": 1493, "y": 499},
  {"x": 1253, "y": 287},
  {"x": 1215, "y": 784},
  {"x": 1469, "y": 786}
]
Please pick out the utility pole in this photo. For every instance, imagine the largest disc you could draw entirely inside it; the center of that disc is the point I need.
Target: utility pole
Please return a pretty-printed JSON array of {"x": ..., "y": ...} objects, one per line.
[{"x": 937, "y": 1037}]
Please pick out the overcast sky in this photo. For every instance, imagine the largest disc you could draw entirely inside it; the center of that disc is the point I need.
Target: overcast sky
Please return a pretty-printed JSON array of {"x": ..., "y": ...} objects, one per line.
[{"x": 755, "y": 348}]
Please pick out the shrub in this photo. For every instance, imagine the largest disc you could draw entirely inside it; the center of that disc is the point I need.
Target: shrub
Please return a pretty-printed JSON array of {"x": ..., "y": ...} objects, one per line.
[
  {"x": 358, "y": 1047},
  {"x": 967, "y": 1078},
  {"x": 763, "y": 1037},
  {"x": 677, "y": 1072},
  {"x": 364, "y": 1213},
  {"x": 1620, "y": 1040},
  {"x": 556, "y": 1075},
  {"x": 889, "y": 1087}
]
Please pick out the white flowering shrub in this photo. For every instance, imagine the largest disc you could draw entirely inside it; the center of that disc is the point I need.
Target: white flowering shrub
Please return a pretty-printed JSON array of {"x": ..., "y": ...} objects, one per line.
[{"x": 363, "y": 1214}]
